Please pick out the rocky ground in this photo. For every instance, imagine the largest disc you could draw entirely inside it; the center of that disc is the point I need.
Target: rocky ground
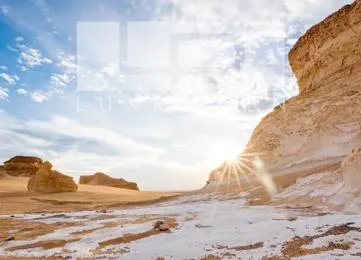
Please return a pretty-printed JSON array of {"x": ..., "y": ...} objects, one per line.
[{"x": 200, "y": 227}]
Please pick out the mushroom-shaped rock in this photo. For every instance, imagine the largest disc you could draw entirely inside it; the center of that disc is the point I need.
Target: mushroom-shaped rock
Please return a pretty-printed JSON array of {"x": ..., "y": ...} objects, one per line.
[
  {"x": 22, "y": 166},
  {"x": 47, "y": 180}
]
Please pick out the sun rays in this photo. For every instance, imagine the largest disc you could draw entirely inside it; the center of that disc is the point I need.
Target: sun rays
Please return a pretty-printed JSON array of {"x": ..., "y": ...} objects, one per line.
[{"x": 236, "y": 172}]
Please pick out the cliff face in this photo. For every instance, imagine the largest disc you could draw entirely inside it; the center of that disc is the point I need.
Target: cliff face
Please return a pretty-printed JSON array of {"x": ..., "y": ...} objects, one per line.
[
  {"x": 324, "y": 119},
  {"x": 329, "y": 54}
]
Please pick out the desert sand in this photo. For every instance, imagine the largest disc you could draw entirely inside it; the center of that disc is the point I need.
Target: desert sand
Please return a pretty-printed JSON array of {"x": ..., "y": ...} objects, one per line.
[{"x": 16, "y": 199}]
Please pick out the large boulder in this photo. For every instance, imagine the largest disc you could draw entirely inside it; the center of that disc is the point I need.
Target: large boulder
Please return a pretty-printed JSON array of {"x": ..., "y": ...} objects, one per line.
[
  {"x": 47, "y": 180},
  {"x": 22, "y": 166},
  {"x": 105, "y": 180}
]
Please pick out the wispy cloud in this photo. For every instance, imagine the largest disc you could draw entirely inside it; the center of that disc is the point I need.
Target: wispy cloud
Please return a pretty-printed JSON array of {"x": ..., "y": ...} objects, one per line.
[
  {"x": 4, "y": 9},
  {"x": 177, "y": 123},
  {"x": 10, "y": 48},
  {"x": 31, "y": 57},
  {"x": 22, "y": 91},
  {"x": 3, "y": 93},
  {"x": 19, "y": 39},
  {"x": 38, "y": 96},
  {"x": 10, "y": 79}
]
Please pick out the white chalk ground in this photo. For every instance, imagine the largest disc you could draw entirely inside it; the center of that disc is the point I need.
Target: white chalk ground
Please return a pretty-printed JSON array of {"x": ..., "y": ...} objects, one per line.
[{"x": 204, "y": 225}]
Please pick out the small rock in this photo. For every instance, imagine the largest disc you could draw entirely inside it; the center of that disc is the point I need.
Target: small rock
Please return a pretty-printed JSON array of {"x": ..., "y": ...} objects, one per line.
[
  {"x": 201, "y": 226},
  {"x": 157, "y": 225},
  {"x": 291, "y": 218},
  {"x": 103, "y": 211},
  {"x": 164, "y": 227},
  {"x": 161, "y": 226}
]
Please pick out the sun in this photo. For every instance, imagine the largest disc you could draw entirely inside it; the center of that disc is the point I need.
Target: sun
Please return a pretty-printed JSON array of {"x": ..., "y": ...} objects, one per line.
[{"x": 232, "y": 159}]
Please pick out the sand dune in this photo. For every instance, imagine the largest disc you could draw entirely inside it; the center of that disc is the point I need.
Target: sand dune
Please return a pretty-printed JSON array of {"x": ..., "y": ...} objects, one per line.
[{"x": 16, "y": 199}]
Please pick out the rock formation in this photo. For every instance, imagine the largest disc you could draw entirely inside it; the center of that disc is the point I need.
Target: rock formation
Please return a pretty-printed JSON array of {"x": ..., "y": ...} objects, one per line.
[
  {"x": 22, "y": 166},
  {"x": 47, "y": 180},
  {"x": 323, "y": 121},
  {"x": 105, "y": 180}
]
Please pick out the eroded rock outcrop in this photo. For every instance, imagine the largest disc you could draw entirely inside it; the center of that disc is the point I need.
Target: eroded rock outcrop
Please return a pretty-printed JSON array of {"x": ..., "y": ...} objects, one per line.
[
  {"x": 22, "y": 166},
  {"x": 329, "y": 54},
  {"x": 47, "y": 180},
  {"x": 105, "y": 180},
  {"x": 323, "y": 121}
]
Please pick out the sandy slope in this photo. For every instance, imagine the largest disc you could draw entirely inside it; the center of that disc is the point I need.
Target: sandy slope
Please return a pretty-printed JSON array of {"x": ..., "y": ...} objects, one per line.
[{"x": 16, "y": 199}]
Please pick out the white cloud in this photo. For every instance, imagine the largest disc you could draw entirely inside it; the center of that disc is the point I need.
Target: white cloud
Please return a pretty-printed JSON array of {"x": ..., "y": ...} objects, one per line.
[
  {"x": 3, "y": 67},
  {"x": 30, "y": 57},
  {"x": 3, "y": 93},
  {"x": 22, "y": 91},
  {"x": 67, "y": 62},
  {"x": 11, "y": 48},
  {"x": 4, "y": 9},
  {"x": 66, "y": 126},
  {"x": 59, "y": 80},
  {"x": 244, "y": 75},
  {"x": 10, "y": 79},
  {"x": 19, "y": 39},
  {"x": 65, "y": 76},
  {"x": 38, "y": 96},
  {"x": 229, "y": 84}
]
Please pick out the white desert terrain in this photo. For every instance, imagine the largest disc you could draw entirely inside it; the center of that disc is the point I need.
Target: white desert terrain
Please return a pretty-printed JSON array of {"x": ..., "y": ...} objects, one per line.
[{"x": 294, "y": 193}]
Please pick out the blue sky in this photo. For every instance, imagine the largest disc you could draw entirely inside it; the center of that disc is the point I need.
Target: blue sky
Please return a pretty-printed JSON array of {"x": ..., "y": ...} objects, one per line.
[{"x": 96, "y": 86}]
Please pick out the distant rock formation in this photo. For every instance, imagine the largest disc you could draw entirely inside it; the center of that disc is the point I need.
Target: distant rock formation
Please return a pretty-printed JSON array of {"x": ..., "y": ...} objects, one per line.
[
  {"x": 105, "y": 180},
  {"x": 22, "y": 166},
  {"x": 50, "y": 181}
]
